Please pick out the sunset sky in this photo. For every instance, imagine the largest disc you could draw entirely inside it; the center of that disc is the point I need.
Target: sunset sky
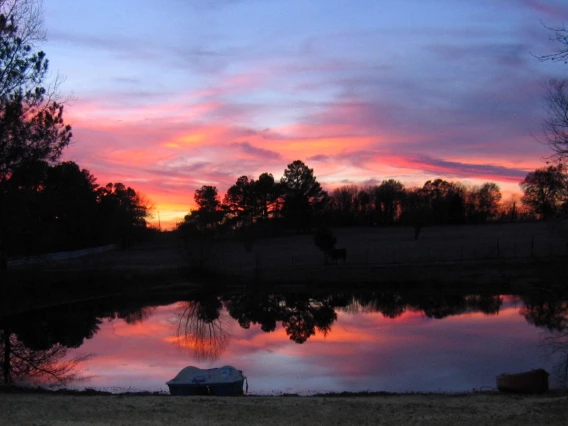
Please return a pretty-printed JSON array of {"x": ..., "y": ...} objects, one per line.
[{"x": 171, "y": 95}]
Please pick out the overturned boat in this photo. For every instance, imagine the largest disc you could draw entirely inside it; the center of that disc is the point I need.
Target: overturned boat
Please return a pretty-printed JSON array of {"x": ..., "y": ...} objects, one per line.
[
  {"x": 223, "y": 381},
  {"x": 534, "y": 381}
]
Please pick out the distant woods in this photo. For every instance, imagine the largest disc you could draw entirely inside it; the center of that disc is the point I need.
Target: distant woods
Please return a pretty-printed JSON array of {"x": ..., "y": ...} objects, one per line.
[
  {"x": 298, "y": 202},
  {"x": 59, "y": 207}
]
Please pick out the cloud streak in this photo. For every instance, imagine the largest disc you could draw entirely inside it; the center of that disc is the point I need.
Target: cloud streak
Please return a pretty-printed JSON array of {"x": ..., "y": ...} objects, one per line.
[{"x": 183, "y": 97}]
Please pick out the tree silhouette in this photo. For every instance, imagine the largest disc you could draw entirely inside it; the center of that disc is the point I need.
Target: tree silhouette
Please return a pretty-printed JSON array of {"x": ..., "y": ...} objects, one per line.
[
  {"x": 123, "y": 212},
  {"x": 240, "y": 200},
  {"x": 325, "y": 241},
  {"x": 303, "y": 195},
  {"x": 208, "y": 214},
  {"x": 387, "y": 198},
  {"x": 560, "y": 35},
  {"x": 31, "y": 122},
  {"x": 545, "y": 190},
  {"x": 32, "y": 129},
  {"x": 446, "y": 200},
  {"x": 342, "y": 203},
  {"x": 70, "y": 199},
  {"x": 555, "y": 126},
  {"x": 483, "y": 202},
  {"x": 267, "y": 193}
]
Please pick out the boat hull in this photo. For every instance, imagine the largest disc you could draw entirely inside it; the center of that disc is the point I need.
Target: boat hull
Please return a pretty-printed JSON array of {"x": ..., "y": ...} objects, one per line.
[
  {"x": 224, "y": 381},
  {"x": 217, "y": 389},
  {"x": 535, "y": 381}
]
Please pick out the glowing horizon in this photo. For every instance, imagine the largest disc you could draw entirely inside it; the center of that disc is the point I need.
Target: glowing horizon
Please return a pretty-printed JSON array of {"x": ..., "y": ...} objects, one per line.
[{"x": 194, "y": 94}]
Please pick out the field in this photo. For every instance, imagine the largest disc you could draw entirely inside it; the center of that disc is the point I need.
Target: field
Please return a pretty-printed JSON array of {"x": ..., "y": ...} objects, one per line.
[
  {"x": 392, "y": 254},
  {"x": 521, "y": 253}
]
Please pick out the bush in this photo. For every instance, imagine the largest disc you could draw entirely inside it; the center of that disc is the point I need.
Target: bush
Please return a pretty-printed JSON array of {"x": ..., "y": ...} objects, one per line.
[{"x": 324, "y": 239}]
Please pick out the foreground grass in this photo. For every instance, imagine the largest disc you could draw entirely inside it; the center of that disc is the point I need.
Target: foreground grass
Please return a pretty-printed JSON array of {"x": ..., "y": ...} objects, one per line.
[{"x": 470, "y": 409}]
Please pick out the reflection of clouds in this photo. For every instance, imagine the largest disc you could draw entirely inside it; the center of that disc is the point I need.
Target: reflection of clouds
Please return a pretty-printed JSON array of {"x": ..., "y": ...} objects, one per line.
[
  {"x": 206, "y": 337},
  {"x": 363, "y": 351}
]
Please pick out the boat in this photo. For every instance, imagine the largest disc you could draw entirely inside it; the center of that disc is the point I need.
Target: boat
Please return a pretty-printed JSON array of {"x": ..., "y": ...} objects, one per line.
[
  {"x": 534, "y": 381},
  {"x": 222, "y": 381}
]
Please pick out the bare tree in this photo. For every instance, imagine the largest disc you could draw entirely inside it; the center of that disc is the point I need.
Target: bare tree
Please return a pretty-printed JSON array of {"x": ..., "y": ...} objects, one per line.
[
  {"x": 560, "y": 35},
  {"x": 555, "y": 126},
  {"x": 28, "y": 18}
]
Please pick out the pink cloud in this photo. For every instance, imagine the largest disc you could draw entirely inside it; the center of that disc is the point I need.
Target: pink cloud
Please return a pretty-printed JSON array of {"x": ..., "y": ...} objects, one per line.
[{"x": 167, "y": 150}]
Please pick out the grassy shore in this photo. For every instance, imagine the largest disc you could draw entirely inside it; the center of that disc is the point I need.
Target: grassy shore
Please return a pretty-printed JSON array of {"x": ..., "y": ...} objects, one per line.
[{"x": 471, "y": 409}]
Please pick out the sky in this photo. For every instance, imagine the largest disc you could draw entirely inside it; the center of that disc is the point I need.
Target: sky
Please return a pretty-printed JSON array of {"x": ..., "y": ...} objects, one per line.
[{"x": 171, "y": 95}]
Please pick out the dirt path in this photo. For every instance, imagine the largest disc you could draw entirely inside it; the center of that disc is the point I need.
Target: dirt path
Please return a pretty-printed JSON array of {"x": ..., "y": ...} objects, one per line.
[{"x": 475, "y": 409}]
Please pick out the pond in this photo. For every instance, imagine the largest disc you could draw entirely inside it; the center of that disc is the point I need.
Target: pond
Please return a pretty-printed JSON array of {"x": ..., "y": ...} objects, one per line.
[{"x": 304, "y": 343}]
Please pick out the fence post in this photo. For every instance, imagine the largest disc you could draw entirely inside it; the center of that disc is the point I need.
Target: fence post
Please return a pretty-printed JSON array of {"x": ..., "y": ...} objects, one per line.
[
  {"x": 498, "y": 249},
  {"x": 532, "y": 247}
]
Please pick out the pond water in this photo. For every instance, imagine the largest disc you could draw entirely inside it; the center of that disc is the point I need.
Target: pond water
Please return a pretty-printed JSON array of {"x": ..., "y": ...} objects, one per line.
[{"x": 305, "y": 344}]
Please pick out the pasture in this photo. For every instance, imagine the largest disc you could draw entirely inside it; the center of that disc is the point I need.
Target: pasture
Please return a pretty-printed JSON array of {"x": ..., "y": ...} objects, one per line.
[{"x": 392, "y": 253}]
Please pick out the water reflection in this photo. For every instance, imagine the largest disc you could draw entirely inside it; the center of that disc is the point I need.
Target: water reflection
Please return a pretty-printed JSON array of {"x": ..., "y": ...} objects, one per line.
[
  {"x": 201, "y": 328},
  {"x": 420, "y": 336},
  {"x": 35, "y": 346},
  {"x": 300, "y": 314},
  {"x": 549, "y": 310}
]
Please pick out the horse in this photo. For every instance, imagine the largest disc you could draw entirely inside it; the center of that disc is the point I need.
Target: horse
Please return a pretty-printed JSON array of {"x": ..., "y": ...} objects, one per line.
[{"x": 336, "y": 254}]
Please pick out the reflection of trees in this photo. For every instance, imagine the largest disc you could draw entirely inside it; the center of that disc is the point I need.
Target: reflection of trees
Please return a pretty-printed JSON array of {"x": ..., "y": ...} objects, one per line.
[
  {"x": 442, "y": 306},
  {"x": 35, "y": 345},
  {"x": 47, "y": 365},
  {"x": 549, "y": 310},
  {"x": 489, "y": 305},
  {"x": 66, "y": 326},
  {"x": 202, "y": 328},
  {"x": 556, "y": 342},
  {"x": 301, "y": 315},
  {"x": 546, "y": 309},
  {"x": 390, "y": 304},
  {"x": 133, "y": 316}
]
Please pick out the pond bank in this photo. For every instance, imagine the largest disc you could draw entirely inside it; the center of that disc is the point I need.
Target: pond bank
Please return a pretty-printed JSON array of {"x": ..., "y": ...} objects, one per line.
[{"x": 441, "y": 409}]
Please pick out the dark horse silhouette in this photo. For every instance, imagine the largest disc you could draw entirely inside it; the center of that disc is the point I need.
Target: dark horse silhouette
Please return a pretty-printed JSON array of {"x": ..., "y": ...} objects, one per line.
[{"x": 336, "y": 254}]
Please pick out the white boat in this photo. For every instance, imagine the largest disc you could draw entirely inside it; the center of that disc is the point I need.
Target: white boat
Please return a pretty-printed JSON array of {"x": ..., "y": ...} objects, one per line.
[{"x": 223, "y": 381}]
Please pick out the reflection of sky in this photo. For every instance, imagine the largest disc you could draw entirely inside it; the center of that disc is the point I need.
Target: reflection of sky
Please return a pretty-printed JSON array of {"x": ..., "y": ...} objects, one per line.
[{"x": 363, "y": 351}]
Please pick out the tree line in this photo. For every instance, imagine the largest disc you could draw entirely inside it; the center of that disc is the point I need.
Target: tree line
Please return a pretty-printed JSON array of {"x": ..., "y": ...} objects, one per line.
[
  {"x": 297, "y": 201},
  {"x": 47, "y": 205},
  {"x": 56, "y": 207}
]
